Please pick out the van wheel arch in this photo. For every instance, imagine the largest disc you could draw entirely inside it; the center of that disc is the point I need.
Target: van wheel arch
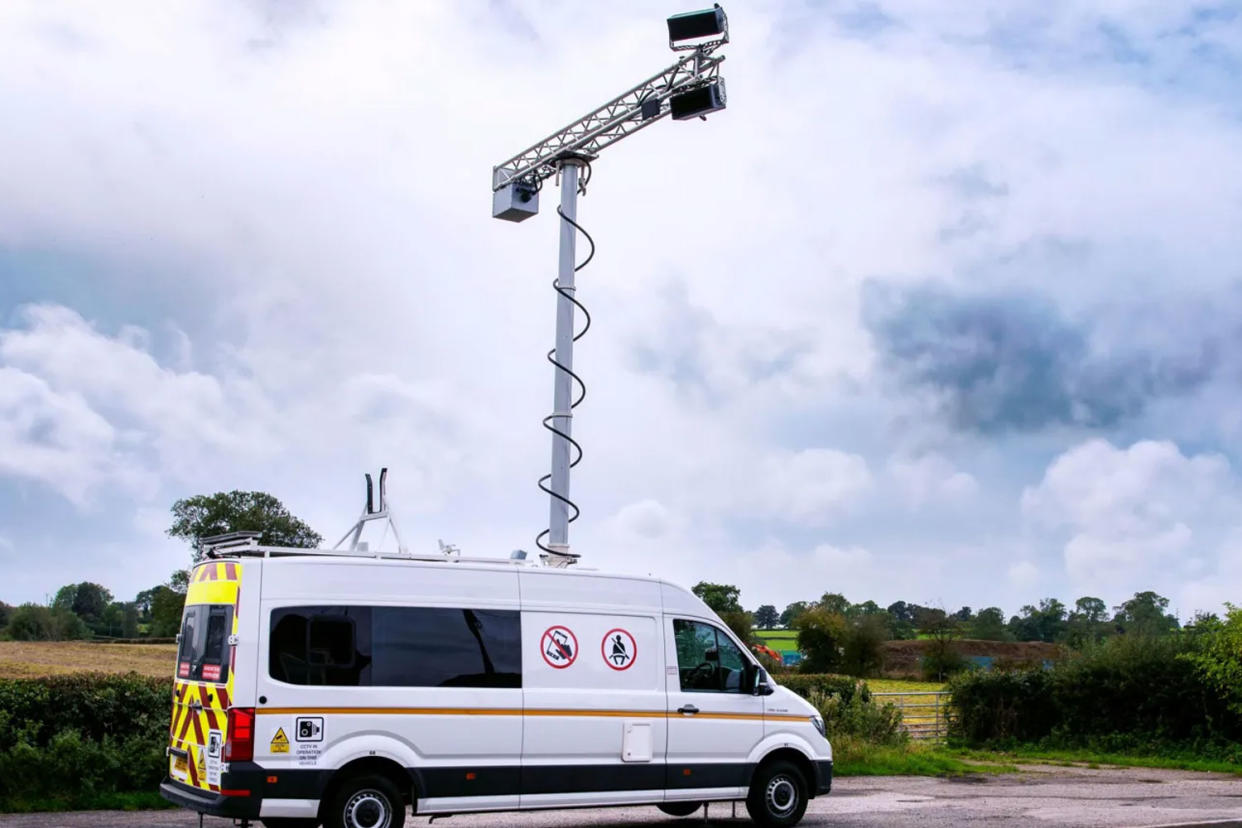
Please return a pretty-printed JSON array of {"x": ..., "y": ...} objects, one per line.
[
  {"x": 368, "y": 766},
  {"x": 795, "y": 757}
]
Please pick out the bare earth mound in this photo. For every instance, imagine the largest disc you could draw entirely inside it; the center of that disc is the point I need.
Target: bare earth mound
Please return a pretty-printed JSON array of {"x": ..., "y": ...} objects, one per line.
[{"x": 903, "y": 659}]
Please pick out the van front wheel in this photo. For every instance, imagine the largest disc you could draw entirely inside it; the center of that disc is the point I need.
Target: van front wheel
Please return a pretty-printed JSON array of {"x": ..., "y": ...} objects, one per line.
[
  {"x": 777, "y": 796},
  {"x": 366, "y": 802}
]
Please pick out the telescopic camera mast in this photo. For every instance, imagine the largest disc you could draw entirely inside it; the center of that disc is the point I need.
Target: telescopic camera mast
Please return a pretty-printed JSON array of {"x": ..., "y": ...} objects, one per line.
[{"x": 690, "y": 88}]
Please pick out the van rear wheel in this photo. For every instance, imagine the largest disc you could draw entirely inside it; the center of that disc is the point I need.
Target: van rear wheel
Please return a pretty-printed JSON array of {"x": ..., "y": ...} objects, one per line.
[
  {"x": 777, "y": 795},
  {"x": 679, "y": 809},
  {"x": 366, "y": 802}
]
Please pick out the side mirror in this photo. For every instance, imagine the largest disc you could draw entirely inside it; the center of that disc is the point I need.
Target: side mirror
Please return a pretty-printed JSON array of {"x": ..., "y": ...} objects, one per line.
[
  {"x": 712, "y": 655},
  {"x": 757, "y": 680}
]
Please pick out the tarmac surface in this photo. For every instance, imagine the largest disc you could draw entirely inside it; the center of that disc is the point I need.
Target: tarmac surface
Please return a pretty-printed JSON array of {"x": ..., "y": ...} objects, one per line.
[{"x": 1038, "y": 795}]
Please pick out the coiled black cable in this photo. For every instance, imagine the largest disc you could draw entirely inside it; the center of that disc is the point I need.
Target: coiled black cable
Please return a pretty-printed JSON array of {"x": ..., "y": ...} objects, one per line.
[{"x": 549, "y": 422}]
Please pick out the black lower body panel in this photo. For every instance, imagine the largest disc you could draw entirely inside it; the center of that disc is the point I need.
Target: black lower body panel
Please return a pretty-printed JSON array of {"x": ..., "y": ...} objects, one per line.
[
  {"x": 208, "y": 802},
  {"x": 823, "y": 777}
]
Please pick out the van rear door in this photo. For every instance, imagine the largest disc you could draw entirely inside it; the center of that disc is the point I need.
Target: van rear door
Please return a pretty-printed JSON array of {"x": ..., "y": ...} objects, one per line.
[{"x": 203, "y": 678}]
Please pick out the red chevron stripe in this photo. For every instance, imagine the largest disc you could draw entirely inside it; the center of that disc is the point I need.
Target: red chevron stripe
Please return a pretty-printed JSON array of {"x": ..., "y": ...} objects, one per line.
[{"x": 211, "y": 714}]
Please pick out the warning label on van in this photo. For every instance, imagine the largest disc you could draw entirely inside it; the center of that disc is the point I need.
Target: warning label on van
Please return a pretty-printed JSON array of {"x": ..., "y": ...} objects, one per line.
[
  {"x": 618, "y": 649},
  {"x": 559, "y": 647},
  {"x": 280, "y": 742}
]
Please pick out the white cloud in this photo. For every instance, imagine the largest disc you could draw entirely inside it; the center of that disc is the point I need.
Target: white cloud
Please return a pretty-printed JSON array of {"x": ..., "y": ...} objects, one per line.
[
  {"x": 1140, "y": 517},
  {"x": 931, "y": 479},
  {"x": 1023, "y": 574},
  {"x": 648, "y": 519},
  {"x": 809, "y": 487}
]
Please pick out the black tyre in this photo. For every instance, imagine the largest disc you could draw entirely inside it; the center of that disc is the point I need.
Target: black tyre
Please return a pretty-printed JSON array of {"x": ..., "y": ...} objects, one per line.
[
  {"x": 777, "y": 795},
  {"x": 289, "y": 822},
  {"x": 366, "y": 802},
  {"x": 679, "y": 809}
]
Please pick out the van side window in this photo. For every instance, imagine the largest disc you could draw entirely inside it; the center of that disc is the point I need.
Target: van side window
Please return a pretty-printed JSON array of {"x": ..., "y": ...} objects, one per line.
[
  {"x": 434, "y": 647},
  {"x": 396, "y": 647},
  {"x": 321, "y": 646},
  {"x": 707, "y": 660}
]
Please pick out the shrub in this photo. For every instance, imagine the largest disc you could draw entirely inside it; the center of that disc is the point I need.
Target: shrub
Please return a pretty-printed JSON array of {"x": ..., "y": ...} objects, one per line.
[
  {"x": 859, "y": 716},
  {"x": 804, "y": 684},
  {"x": 67, "y": 739},
  {"x": 1140, "y": 694},
  {"x": 34, "y": 622}
]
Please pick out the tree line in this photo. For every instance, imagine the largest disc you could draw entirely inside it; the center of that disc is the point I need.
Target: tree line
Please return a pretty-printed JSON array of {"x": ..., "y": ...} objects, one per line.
[{"x": 837, "y": 635}]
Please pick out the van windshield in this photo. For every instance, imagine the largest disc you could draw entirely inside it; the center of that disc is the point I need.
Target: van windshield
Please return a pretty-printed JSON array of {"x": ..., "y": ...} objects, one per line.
[{"x": 203, "y": 653}]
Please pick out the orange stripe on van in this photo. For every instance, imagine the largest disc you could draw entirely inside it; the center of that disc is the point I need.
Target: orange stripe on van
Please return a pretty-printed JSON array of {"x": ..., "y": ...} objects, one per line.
[{"x": 505, "y": 711}]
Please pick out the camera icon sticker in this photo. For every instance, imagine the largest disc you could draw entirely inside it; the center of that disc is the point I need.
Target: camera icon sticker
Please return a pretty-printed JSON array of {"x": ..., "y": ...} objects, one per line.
[{"x": 308, "y": 729}]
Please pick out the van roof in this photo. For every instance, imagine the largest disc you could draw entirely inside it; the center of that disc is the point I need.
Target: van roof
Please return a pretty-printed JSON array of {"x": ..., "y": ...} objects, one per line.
[
  {"x": 253, "y": 550},
  {"x": 283, "y": 554}
]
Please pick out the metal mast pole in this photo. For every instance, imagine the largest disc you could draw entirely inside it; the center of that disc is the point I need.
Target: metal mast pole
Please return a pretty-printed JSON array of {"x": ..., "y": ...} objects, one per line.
[
  {"x": 690, "y": 88},
  {"x": 562, "y": 394}
]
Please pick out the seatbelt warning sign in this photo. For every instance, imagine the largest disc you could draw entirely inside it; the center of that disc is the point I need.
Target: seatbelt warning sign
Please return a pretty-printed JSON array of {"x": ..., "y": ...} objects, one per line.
[
  {"x": 619, "y": 649},
  {"x": 280, "y": 742}
]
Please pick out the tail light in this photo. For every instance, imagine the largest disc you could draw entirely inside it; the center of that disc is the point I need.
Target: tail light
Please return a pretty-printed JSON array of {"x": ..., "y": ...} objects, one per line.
[{"x": 239, "y": 747}]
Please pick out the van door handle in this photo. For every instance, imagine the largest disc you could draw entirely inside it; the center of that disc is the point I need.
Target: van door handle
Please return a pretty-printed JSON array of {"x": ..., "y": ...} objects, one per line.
[{"x": 688, "y": 709}]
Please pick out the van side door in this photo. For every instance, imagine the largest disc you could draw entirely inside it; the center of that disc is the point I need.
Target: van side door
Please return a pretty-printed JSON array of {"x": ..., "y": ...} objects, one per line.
[{"x": 714, "y": 720}]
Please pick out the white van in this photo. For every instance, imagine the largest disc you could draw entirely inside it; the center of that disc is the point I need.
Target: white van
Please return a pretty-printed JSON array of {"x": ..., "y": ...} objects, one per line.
[{"x": 341, "y": 688}]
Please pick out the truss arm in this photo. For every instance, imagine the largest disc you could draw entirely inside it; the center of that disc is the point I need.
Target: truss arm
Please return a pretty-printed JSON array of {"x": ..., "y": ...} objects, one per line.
[{"x": 622, "y": 116}]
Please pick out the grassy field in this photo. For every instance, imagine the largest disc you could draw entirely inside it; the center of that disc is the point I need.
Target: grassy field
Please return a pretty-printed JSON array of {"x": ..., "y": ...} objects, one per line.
[{"x": 31, "y": 659}]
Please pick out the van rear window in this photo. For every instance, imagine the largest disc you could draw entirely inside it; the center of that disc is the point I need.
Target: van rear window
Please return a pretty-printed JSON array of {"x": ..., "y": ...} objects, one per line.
[
  {"x": 362, "y": 646},
  {"x": 203, "y": 654}
]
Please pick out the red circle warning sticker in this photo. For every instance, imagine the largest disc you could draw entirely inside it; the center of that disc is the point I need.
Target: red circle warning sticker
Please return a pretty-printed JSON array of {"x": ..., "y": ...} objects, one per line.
[
  {"x": 559, "y": 647},
  {"x": 619, "y": 649}
]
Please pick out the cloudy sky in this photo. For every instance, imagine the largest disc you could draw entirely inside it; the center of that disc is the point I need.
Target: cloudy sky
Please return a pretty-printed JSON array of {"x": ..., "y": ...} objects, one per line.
[{"x": 946, "y": 307}]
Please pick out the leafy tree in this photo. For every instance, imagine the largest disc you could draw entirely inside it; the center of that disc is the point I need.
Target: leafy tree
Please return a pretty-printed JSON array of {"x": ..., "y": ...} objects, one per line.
[
  {"x": 1087, "y": 623},
  {"x": 1144, "y": 615},
  {"x": 180, "y": 581},
  {"x": 91, "y": 602},
  {"x": 722, "y": 599},
  {"x": 1043, "y": 623},
  {"x": 742, "y": 623},
  {"x": 129, "y": 621},
  {"x": 719, "y": 597},
  {"x": 5, "y": 612},
  {"x": 942, "y": 658},
  {"x": 792, "y": 612},
  {"x": 989, "y": 625},
  {"x": 766, "y": 617},
  {"x": 166, "y": 608},
  {"x": 821, "y": 637},
  {"x": 1219, "y": 661},
  {"x": 902, "y": 612},
  {"x": 32, "y": 622},
  {"x": 863, "y": 653},
  {"x": 963, "y": 616},
  {"x": 835, "y": 602},
  {"x": 142, "y": 603},
  {"x": 202, "y": 516},
  {"x": 1090, "y": 609}
]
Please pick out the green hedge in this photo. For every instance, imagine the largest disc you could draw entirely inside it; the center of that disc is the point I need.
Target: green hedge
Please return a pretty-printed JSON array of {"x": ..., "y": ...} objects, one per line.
[
  {"x": 1129, "y": 694},
  {"x": 68, "y": 741},
  {"x": 804, "y": 684}
]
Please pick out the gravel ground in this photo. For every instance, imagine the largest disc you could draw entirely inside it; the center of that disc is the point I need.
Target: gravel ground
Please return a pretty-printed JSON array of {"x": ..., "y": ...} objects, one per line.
[{"x": 1039, "y": 795}]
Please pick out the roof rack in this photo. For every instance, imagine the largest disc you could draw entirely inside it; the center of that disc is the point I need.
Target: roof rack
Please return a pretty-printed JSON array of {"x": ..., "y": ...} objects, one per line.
[
  {"x": 229, "y": 540},
  {"x": 259, "y": 551}
]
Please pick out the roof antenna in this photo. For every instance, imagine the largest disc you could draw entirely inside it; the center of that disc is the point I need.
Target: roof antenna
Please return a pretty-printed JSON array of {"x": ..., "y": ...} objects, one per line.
[{"x": 370, "y": 513}]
